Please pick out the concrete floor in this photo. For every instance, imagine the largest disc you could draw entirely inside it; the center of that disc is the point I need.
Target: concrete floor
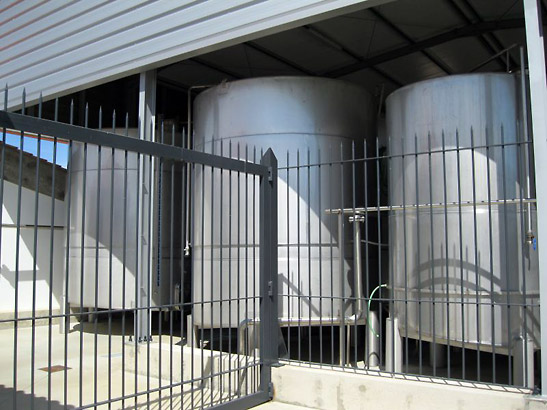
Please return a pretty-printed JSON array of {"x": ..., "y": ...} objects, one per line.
[{"x": 83, "y": 385}]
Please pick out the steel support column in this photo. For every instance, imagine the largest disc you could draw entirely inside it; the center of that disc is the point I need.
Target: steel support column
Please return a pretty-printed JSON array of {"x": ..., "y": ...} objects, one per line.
[
  {"x": 147, "y": 125},
  {"x": 269, "y": 326},
  {"x": 538, "y": 98}
]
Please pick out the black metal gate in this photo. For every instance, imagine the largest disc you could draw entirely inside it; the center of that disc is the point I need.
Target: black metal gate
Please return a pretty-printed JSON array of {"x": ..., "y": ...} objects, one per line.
[{"x": 94, "y": 245}]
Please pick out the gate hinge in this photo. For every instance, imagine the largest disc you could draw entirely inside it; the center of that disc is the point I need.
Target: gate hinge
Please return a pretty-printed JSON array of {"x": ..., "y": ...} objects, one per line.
[
  {"x": 270, "y": 390},
  {"x": 270, "y": 288}
]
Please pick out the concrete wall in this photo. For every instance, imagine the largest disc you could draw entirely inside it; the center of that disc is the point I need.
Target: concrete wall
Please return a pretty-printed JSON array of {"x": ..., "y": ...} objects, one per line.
[
  {"x": 336, "y": 389},
  {"x": 31, "y": 258}
]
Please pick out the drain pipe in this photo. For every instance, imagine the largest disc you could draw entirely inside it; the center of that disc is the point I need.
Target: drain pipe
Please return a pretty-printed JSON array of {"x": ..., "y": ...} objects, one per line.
[{"x": 525, "y": 135}]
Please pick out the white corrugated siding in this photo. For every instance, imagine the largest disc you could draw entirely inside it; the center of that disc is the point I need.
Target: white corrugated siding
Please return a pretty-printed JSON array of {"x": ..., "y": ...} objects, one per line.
[{"x": 55, "y": 47}]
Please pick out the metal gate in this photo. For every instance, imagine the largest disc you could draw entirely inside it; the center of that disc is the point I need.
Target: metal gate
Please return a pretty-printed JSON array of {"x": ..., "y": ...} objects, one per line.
[{"x": 93, "y": 248}]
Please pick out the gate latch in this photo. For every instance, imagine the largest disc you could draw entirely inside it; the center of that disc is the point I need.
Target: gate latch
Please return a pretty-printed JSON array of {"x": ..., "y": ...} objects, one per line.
[{"x": 270, "y": 288}]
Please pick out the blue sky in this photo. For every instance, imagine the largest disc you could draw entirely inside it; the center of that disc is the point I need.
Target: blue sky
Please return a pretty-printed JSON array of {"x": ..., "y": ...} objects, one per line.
[{"x": 30, "y": 144}]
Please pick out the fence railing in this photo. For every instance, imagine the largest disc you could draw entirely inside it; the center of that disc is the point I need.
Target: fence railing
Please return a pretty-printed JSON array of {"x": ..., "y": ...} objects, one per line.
[
  {"x": 413, "y": 256},
  {"x": 96, "y": 286}
]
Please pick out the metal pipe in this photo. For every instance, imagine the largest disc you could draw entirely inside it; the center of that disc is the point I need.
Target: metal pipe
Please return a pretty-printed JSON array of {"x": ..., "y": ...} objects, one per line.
[
  {"x": 357, "y": 275},
  {"x": 342, "y": 335},
  {"x": 525, "y": 137},
  {"x": 505, "y": 50},
  {"x": 407, "y": 208}
]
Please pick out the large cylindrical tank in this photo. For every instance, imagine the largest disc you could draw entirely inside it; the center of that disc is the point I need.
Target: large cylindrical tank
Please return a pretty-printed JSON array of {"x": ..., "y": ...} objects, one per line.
[
  {"x": 313, "y": 119},
  {"x": 100, "y": 220},
  {"x": 473, "y": 259}
]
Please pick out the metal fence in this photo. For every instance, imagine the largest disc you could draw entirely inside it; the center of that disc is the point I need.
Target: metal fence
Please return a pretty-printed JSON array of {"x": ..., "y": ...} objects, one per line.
[
  {"x": 413, "y": 256},
  {"x": 93, "y": 246},
  {"x": 139, "y": 273}
]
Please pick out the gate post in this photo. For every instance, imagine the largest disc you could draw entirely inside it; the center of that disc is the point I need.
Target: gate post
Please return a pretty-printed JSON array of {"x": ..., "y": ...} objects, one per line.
[
  {"x": 268, "y": 270},
  {"x": 538, "y": 101}
]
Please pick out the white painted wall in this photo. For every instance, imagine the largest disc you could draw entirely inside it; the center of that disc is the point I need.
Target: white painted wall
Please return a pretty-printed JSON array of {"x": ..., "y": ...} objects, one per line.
[{"x": 27, "y": 252}]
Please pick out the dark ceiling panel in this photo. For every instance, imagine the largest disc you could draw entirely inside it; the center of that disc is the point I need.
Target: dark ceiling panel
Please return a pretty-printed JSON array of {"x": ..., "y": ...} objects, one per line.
[
  {"x": 422, "y": 18},
  {"x": 411, "y": 68},
  {"x": 361, "y": 33},
  {"x": 305, "y": 49},
  {"x": 372, "y": 81},
  {"x": 464, "y": 54},
  {"x": 498, "y": 9}
]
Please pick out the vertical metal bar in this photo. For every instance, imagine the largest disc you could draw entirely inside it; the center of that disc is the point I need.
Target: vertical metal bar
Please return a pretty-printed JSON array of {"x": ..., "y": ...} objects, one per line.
[
  {"x": 491, "y": 256},
  {"x": 202, "y": 273},
  {"x": 331, "y": 263},
  {"x": 82, "y": 265},
  {"x": 254, "y": 242},
  {"x": 379, "y": 234},
  {"x": 525, "y": 138},
  {"x": 150, "y": 264},
  {"x": 289, "y": 290},
  {"x": 476, "y": 251},
  {"x": 320, "y": 248},
  {"x": 183, "y": 229},
  {"x": 139, "y": 230},
  {"x": 396, "y": 365},
  {"x": 403, "y": 169},
  {"x": 221, "y": 274},
  {"x": 34, "y": 264},
  {"x": 212, "y": 222},
  {"x": 124, "y": 259},
  {"x": 17, "y": 245},
  {"x": 51, "y": 251},
  {"x": 505, "y": 260},
  {"x": 298, "y": 279},
  {"x": 157, "y": 184},
  {"x": 446, "y": 260},
  {"x": 192, "y": 181},
  {"x": 418, "y": 256},
  {"x": 238, "y": 225},
  {"x": 460, "y": 230},
  {"x": 171, "y": 271},
  {"x": 97, "y": 241},
  {"x": 308, "y": 240},
  {"x": 66, "y": 287},
  {"x": 230, "y": 174},
  {"x": 247, "y": 262},
  {"x": 268, "y": 268},
  {"x": 356, "y": 257},
  {"x": 368, "y": 350},
  {"x": 432, "y": 255},
  {"x": 524, "y": 171},
  {"x": 342, "y": 314},
  {"x": 110, "y": 262}
]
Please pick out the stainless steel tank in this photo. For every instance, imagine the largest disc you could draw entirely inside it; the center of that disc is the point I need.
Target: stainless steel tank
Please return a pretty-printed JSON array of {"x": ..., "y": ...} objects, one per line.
[
  {"x": 289, "y": 115},
  {"x": 460, "y": 262},
  {"x": 116, "y": 261}
]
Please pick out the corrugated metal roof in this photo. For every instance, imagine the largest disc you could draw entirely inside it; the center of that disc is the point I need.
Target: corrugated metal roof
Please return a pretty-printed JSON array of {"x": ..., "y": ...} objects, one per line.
[
  {"x": 56, "y": 47},
  {"x": 386, "y": 46}
]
